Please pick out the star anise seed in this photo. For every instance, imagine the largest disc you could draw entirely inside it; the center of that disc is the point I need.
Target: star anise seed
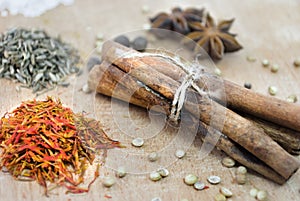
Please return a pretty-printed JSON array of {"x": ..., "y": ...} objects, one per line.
[
  {"x": 214, "y": 38},
  {"x": 178, "y": 20}
]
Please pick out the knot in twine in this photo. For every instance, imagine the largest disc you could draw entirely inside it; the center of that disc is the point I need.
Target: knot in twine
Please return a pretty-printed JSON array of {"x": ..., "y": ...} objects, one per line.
[{"x": 193, "y": 73}]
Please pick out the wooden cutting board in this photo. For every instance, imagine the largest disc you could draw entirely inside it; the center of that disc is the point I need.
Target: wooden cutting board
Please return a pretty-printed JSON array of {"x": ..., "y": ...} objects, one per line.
[{"x": 266, "y": 29}]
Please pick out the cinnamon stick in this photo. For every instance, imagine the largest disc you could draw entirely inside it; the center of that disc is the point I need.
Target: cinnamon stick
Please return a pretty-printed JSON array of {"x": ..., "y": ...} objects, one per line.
[
  {"x": 265, "y": 107},
  {"x": 252, "y": 138},
  {"x": 287, "y": 138},
  {"x": 279, "y": 154},
  {"x": 111, "y": 76},
  {"x": 235, "y": 127},
  {"x": 107, "y": 79},
  {"x": 237, "y": 97},
  {"x": 238, "y": 153}
]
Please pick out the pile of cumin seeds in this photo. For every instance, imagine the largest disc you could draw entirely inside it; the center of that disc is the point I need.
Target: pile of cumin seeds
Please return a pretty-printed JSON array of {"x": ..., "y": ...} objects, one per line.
[{"x": 35, "y": 59}]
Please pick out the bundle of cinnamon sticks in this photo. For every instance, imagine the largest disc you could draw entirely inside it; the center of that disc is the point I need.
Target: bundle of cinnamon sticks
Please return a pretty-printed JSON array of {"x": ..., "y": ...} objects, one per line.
[{"x": 258, "y": 131}]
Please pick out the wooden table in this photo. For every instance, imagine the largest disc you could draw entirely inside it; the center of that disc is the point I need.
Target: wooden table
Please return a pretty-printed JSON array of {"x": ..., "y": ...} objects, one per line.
[{"x": 267, "y": 30}]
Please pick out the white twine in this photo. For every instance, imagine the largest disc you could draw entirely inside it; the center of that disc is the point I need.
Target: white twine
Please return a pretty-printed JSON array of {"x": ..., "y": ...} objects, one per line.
[{"x": 193, "y": 73}]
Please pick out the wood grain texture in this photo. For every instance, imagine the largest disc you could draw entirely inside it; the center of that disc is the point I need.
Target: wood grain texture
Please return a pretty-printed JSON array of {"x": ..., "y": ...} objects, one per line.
[{"x": 266, "y": 29}]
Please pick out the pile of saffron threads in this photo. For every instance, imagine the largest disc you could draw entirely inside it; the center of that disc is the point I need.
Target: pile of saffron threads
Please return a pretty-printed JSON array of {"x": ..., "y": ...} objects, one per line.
[{"x": 40, "y": 140}]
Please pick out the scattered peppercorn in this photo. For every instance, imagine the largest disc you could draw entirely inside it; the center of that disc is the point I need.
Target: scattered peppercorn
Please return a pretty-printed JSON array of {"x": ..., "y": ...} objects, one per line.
[
  {"x": 92, "y": 62},
  {"x": 108, "y": 181},
  {"x": 137, "y": 142},
  {"x": 273, "y": 90},
  {"x": 123, "y": 40},
  {"x": 274, "y": 68},
  {"x": 190, "y": 179},
  {"x": 297, "y": 62},
  {"x": 100, "y": 36},
  {"x": 86, "y": 89},
  {"x": 121, "y": 172},
  {"x": 153, "y": 156},
  {"x": 220, "y": 197},
  {"x": 199, "y": 185},
  {"x": 145, "y": 9},
  {"x": 98, "y": 46},
  {"x": 218, "y": 71},
  {"x": 155, "y": 176},
  {"x": 251, "y": 59},
  {"x": 241, "y": 178},
  {"x": 163, "y": 172},
  {"x": 228, "y": 162},
  {"x": 292, "y": 98},
  {"x": 262, "y": 195},
  {"x": 265, "y": 62},
  {"x": 180, "y": 153},
  {"x": 226, "y": 192},
  {"x": 241, "y": 170},
  {"x": 253, "y": 192},
  {"x": 241, "y": 175},
  {"x": 214, "y": 179},
  {"x": 139, "y": 43},
  {"x": 247, "y": 85}
]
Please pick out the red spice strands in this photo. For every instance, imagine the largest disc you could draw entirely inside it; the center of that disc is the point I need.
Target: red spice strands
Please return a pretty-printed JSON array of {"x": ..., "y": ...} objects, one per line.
[
  {"x": 41, "y": 141},
  {"x": 92, "y": 135}
]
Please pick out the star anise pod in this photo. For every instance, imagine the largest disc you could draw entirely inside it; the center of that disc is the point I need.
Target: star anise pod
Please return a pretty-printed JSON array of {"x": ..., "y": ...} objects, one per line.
[
  {"x": 214, "y": 38},
  {"x": 178, "y": 20}
]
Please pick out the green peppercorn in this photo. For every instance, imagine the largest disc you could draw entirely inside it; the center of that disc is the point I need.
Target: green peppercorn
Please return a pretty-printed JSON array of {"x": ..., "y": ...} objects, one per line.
[
  {"x": 153, "y": 156},
  {"x": 265, "y": 63},
  {"x": 190, "y": 179},
  {"x": 262, "y": 195},
  {"x": 121, "y": 172},
  {"x": 180, "y": 153},
  {"x": 228, "y": 162},
  {"x": 274, "y": 68},
  {"x": 137, "y": 142},
  {"x": 214, "y": 179},
  {"x": 273, "y": 90},
  {"x": 292, "y": 98},
  {"x": 155, "y": 176},
  {"x": 108, "y": 181}
]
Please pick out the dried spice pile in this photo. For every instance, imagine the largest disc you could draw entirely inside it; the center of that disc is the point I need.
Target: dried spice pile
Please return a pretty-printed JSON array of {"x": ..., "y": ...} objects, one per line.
[
  {"x": 214, "y": 38},
  {"x": 36, "y": 59},
  {"x": 41, "y": 141}
]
